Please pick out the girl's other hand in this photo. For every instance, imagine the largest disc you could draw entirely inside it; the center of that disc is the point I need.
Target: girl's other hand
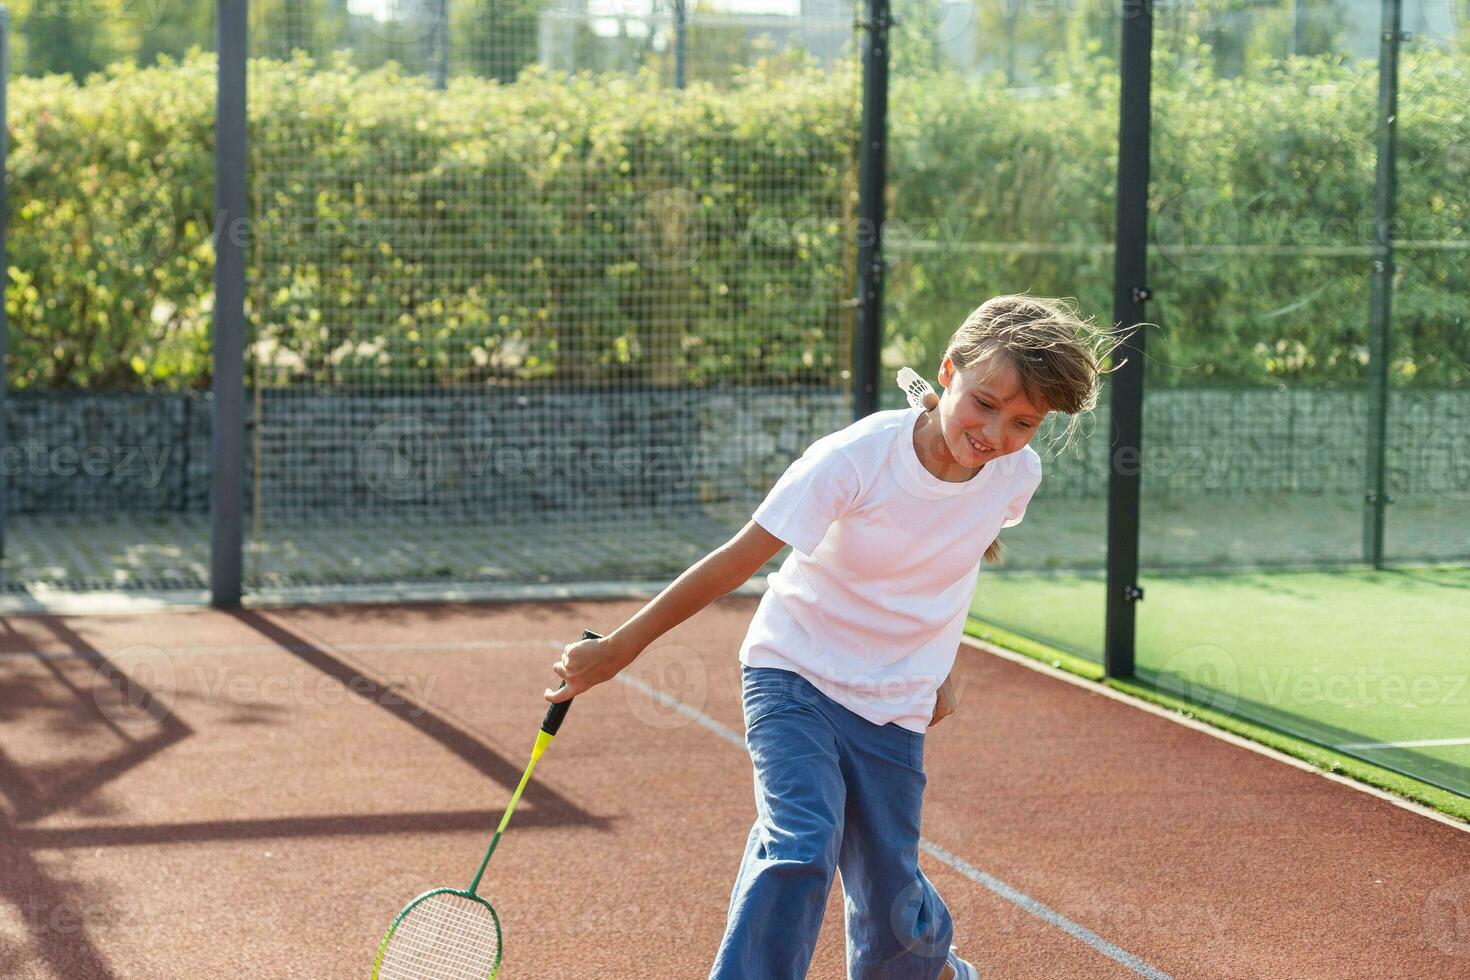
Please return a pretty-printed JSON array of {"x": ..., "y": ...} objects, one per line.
[
  {"x": 585, "y": 664},
  {"x": 944, "y": 703}
]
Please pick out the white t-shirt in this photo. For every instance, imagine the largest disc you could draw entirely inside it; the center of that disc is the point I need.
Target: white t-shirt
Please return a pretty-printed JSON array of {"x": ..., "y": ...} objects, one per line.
[{"x": 870, "y": 604}]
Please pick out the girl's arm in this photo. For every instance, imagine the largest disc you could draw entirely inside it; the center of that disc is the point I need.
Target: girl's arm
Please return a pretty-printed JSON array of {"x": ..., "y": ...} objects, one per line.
[{"x": 589, "y": 662}]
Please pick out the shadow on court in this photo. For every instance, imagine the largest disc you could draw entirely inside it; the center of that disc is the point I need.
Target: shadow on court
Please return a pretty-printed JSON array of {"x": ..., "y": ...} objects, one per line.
[
  {"x": 200, "y": 794},
  {"x": 86, "y": 732}
]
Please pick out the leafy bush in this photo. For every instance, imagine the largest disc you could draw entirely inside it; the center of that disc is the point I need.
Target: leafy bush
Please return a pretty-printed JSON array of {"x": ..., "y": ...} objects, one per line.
[
  {"x": 604, "y": 228},
  {"x": 111, "y": 260},
  {"x": 523, "y": 230},
  {"x": 401, "y": 235},
  {"x": 1261, "y": 214}
]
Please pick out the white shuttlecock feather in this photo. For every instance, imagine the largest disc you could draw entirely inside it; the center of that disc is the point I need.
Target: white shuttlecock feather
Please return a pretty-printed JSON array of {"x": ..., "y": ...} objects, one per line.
[{"x": 915, "y": 387}]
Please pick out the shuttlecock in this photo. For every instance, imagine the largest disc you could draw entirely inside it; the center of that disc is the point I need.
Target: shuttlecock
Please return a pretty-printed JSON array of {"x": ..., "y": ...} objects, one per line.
[{"x": 915, "y": 387}]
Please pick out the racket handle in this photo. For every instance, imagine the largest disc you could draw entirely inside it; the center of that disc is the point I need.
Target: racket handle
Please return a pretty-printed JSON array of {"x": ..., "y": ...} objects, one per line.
[{"x": 557, "y": 713}]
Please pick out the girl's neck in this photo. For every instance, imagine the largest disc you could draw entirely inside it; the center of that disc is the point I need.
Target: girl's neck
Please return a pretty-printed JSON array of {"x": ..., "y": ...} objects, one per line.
[{"x": 934, "y": 454}]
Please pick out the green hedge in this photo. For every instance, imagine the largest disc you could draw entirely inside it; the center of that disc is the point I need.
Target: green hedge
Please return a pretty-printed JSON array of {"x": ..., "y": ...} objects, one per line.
[
  {"x": 1261, "y": 192},
  {"x": 111, "y": 260},
  {"x": 405, "y": 236},
  {"x": 524, "y": 232},
  {"x": 524, "y": 229}
]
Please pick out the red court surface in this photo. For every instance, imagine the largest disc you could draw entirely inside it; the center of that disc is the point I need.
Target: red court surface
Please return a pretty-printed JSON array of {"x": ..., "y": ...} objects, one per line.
[{"x": 200, "y": 794}]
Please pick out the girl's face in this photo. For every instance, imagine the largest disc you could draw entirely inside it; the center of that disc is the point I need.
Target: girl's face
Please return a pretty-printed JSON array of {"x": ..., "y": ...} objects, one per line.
[{"x": 984, "y": 414}]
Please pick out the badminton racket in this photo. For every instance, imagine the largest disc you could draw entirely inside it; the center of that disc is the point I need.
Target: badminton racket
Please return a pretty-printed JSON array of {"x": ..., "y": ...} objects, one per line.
[{"x": 453, "y": 934}]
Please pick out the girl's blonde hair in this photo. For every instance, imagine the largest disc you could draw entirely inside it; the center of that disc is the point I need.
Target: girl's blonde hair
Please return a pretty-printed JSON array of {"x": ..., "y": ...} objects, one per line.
[{"x": 1058, "y": 355}]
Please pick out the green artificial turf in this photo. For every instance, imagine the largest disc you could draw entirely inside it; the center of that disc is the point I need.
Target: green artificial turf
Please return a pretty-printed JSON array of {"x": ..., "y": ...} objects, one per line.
[{"x": 1312, "y": 663}]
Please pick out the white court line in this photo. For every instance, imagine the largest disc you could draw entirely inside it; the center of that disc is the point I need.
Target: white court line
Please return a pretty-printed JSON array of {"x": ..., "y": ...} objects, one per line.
[
  {"x": 1029, "y": 663},
  {"x": 1415, "y": 743},
  {"x": 1031, "y": 905},
  {"x": 45, "y": 600},
  {"x": 1011, "y": 894},
  {"x": 995, "y": 885},
  {"x": 144, "y": 649},
  {"x": 669, "y": 701}
]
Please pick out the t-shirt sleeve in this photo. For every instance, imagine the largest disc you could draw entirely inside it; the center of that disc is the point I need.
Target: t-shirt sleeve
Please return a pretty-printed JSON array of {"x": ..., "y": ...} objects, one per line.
[
  {"x": 1016, "y": 509},
  {"x": 815, "y": 490}
]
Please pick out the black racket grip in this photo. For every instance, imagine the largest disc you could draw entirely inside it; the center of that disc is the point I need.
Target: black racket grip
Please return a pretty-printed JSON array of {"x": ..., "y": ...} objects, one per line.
[{"x": 557, "y": 713}]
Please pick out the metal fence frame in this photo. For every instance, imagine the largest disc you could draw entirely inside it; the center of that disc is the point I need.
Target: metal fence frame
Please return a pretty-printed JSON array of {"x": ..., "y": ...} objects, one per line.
[
  {"x": 231, "y": 219},
  {"x": 4, "y": 237},
  {"x": 1131, "y": 291}
]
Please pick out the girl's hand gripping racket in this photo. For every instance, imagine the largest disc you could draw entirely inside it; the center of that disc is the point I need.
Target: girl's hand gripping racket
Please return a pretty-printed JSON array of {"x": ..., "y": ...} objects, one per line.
[
  {"x": 448, "y": 934},
  {"x": 920, "y": 395}
]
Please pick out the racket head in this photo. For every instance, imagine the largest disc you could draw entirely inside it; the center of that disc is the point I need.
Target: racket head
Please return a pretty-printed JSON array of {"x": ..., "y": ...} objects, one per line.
[{"x": 444, "y": 934}]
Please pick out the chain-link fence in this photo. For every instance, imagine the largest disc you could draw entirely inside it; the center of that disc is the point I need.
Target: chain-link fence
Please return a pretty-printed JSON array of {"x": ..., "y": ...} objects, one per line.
[
  {"x": 537, "y": 291},
  {"x": 512, "y": 324},
  {"x": 1258, "y": 475},
  {"x": 553, "y": 291}
]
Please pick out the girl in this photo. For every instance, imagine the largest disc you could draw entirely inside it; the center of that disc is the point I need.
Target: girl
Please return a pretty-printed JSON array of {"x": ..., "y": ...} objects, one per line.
[{"x": 846, "y": 661}]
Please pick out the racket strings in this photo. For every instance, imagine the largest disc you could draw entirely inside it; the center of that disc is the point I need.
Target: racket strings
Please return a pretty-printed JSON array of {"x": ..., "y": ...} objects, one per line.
[{"x": 444, "y": 937}]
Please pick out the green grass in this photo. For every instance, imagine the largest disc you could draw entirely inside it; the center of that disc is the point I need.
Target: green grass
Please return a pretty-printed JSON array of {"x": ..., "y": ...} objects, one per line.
[
  {"x": 1337, "y": 658},
  {"x": 1060, "y": 611},
  {"x": 1323, "y": 759}
]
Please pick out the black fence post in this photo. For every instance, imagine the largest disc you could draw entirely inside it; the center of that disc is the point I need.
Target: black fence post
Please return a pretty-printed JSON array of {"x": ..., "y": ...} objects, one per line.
[
  {"x": 227, "y": 449},
  {"x": 4, "y": 252},
  {"x": 872, "y": 176},
  {"x": 1375, "y": 498},
  {"x": 1130, "y": 292},
  {"x": 440, "y": 53},
  {"x": 681, "y": 43}
]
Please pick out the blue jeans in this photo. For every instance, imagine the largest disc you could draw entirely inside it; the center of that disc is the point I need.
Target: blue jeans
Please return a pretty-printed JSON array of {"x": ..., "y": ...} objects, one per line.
[{"x": 833, "y": 791}]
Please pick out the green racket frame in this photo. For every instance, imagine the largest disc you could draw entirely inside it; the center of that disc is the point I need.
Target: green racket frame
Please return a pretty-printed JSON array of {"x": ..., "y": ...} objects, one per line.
[
  {"x": 549, "y": 727},
  {"x": 383, "y": 946}
]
